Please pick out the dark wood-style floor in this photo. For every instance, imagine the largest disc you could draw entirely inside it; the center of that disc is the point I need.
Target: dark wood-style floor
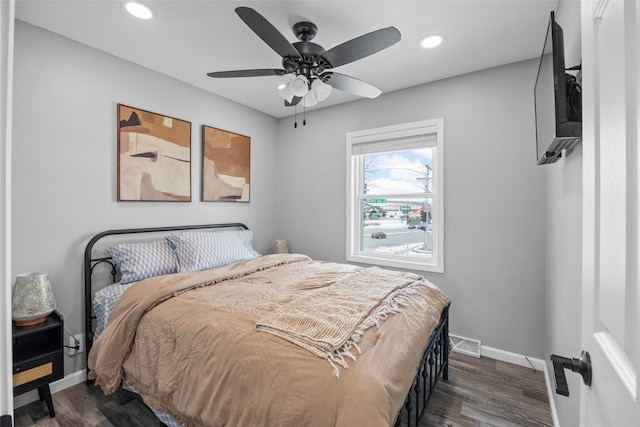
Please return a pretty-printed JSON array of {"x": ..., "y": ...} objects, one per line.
[{"x": 480, "y": 392}]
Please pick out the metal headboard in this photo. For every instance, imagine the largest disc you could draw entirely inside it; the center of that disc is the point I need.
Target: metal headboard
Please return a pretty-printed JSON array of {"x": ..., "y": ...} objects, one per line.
[{"x": 90, "y": 263}]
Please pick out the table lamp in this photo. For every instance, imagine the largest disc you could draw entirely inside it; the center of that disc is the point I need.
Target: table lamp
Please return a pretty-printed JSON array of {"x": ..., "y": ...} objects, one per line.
[{"x": 33, "y": 299}]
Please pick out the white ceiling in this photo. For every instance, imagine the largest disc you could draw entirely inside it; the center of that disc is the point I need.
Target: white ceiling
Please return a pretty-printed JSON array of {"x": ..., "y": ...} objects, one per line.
[{"x": 186, "y": 38}]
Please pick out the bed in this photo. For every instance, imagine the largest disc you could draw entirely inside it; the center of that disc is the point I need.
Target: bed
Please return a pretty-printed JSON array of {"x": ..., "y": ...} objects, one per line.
[{"x": 231, "y": 337}]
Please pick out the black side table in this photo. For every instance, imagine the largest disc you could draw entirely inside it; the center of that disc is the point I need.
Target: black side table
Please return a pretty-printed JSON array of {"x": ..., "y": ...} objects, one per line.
[{"x": 38, "y": 357}]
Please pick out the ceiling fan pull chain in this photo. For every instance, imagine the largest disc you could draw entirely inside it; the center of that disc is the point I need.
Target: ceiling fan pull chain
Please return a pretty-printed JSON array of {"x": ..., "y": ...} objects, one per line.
[
  {"x": 295, "y": 117},
  {"x": 304, "y": 115}
]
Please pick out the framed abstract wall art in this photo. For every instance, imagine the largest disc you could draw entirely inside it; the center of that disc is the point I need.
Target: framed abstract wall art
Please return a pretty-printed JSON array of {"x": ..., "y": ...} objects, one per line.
[
  {"x": 226, "y": 166},
  {"x": 154, "y": 157}
]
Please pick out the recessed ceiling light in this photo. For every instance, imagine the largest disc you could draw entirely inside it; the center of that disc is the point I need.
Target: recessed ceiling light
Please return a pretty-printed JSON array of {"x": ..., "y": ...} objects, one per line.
[
  {"x": 138, "y": 9},
  {"x": 432, "y": 40}
]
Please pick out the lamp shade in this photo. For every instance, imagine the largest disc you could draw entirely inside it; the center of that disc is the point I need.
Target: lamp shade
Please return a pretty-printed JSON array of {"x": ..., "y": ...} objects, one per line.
[
  {"x": 285, "y": 91},
  {"x": 299, "y": 85},
  {"x": 309, "y": 100},
  {"x": 320, "y": 89},
  {"x": 33, "y": 299}
]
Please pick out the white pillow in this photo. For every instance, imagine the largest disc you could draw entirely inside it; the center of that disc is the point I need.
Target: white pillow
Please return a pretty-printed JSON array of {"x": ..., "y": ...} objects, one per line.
[{"x": 199, "y": 250}]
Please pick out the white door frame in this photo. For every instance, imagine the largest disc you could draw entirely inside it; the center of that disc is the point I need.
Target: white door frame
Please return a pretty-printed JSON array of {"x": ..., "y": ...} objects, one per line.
[{"x": 7, "y": 20}]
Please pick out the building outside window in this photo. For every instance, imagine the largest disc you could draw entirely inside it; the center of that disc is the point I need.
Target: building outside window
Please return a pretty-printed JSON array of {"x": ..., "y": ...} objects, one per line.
[{"x": 395, "y": 214}]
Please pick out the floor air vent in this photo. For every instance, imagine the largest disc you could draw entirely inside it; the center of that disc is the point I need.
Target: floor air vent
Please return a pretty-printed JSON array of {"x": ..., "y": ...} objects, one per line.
[{"x": 465, "y": 345}]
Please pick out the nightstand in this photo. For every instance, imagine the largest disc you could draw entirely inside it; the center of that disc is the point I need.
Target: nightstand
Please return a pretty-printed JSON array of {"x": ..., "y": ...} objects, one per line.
[{"x": 37, "y": 357}]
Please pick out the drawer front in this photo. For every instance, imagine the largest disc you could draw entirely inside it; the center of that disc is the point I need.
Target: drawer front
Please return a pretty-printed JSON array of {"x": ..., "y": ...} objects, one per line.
[
  {"x": 33, "y": 374},
  {"x": 37, "y": 372}
]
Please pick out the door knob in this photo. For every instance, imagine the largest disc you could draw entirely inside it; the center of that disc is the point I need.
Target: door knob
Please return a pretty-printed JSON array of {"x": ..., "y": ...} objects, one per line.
[{"x": 581, "y": 366}]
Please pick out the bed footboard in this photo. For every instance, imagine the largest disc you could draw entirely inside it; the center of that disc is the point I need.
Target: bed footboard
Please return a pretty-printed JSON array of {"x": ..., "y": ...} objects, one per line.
[{"x": 433, "y": 366}]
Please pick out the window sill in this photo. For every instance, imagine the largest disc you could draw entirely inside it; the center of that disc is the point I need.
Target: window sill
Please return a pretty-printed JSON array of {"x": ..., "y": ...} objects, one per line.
[{"x": 405, "y": 264}]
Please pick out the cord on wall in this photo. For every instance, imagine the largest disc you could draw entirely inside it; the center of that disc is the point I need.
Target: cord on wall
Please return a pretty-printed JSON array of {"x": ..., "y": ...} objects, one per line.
[
  {"x": 530, "y": 362},
  {"x": 74, "y": 345}
]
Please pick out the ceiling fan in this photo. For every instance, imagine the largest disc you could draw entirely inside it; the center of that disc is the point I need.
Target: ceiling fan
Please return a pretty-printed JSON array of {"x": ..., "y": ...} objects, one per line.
[{"x": 309, "y": 63}]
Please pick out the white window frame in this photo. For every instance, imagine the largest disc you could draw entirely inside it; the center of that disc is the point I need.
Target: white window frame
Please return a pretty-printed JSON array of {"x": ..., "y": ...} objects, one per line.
[{"x": 426, "y": 133}]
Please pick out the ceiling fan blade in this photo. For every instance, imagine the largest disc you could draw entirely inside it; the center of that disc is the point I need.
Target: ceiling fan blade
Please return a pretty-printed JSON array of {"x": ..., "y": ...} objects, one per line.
[
  {"x": 351, "y": 85},
  {"x": 362, "y": 46},
  {"x": 294, "y": 101},
  {"x": 267, "y": 32},
  {"x": 248, "y": 73}
]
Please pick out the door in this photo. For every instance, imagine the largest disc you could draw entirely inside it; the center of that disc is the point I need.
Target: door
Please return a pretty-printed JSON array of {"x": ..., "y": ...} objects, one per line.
[{"x": 610, "y": 296}]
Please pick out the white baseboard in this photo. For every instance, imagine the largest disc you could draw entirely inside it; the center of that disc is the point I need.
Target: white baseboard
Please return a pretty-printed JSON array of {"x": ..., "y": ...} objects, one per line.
[
  {"x": 515, "y": 358},
  {"x": 529, "y": 362},
  {"x": 66, "y": 382}
]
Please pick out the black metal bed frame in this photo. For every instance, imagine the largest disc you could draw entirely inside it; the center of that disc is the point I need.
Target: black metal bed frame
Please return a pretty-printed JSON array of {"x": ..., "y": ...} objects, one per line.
[
  {"x": 434, "y": 363},
  {"x": 433, "y": 366}
]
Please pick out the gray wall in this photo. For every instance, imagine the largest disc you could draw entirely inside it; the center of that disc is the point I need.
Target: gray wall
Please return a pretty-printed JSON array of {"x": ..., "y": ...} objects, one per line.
[
  {"x": 494, "y": 202},
  {"x": 64, "y": 158},
  {"x": 563, "y": 236},
  {"x": 64, "y": 165}
]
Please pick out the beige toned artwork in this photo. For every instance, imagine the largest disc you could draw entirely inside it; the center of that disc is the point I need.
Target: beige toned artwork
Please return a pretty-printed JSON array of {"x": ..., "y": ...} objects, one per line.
[
  {"x": 154, "y": 157},
  {"x": 225, "y": 166}
]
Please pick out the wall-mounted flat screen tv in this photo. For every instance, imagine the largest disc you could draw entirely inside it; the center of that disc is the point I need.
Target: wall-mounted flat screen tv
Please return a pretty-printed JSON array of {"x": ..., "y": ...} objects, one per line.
[{"x": 558, "y": 115}]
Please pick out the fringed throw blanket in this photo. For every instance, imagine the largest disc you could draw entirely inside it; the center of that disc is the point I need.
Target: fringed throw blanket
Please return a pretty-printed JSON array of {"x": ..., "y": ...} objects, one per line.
[{"x": 330, "y": 321}]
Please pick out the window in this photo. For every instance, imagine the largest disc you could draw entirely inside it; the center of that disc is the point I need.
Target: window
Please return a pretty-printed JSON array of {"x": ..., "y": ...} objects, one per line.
[{"x": 395, "y": 196}]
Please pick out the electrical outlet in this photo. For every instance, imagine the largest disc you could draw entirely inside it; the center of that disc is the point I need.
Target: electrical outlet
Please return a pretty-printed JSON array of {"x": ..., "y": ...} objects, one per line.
[{"x": 73, "y": 341}]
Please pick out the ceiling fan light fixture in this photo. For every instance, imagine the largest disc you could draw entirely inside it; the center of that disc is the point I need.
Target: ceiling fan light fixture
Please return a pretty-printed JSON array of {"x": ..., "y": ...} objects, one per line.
[
  {"x": 431, "y": 41},
  {"x": 299, "y": 85},
  {"x": 309, "y": 99},
  {"x": 285, "y": 91},
  {"x": 320, "y": 89},
  {"x": 306, "y": 63},
  {"x": 138, "y": 9}
]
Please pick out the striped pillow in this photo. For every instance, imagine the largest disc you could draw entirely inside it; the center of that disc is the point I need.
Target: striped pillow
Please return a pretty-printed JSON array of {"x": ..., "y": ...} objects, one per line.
[
  {"x": 199, "y": 250},
  {"x": 138, "y": 261}
]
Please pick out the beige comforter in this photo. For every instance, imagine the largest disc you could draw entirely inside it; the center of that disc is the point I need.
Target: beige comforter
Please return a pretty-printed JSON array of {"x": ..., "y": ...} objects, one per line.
[{"x": 188, "y": 343}]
